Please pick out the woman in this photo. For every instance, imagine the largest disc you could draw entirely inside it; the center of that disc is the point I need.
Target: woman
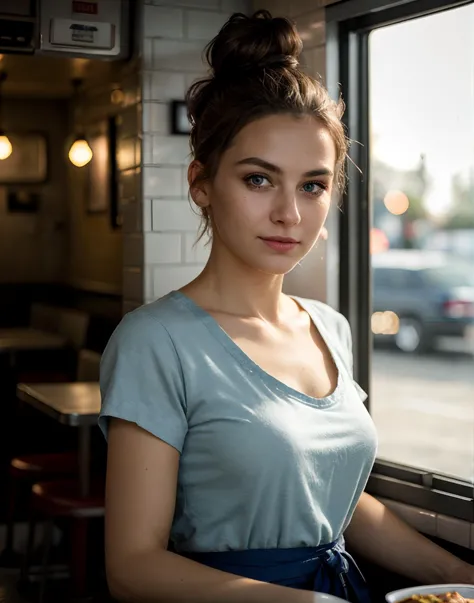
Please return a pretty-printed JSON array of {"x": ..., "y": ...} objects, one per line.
[{"x": 235, "y": 428}]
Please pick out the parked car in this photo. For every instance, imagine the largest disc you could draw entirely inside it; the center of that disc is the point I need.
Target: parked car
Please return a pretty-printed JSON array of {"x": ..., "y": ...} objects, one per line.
[{"x": 431, "y": 293}]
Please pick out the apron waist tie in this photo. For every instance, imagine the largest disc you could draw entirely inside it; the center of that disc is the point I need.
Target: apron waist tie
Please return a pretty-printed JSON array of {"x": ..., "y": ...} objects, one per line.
[{"x": 326, "y": 569}]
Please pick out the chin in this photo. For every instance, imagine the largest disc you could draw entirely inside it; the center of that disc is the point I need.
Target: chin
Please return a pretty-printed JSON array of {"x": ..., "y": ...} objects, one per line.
[
  {"x": 275, "y": 266},
  {"x": 267, "y": 262}
]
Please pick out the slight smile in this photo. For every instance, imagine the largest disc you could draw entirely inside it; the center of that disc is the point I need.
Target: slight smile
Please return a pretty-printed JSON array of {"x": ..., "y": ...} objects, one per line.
[{"x": 281, "y": 244}]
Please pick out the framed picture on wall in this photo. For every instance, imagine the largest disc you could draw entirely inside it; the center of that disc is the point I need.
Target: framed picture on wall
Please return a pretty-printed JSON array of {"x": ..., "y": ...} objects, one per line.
[
  {"x": 25, "y": 159},
  {"x": 180, "y": 123},
  {"x": 101, "y": 169}
]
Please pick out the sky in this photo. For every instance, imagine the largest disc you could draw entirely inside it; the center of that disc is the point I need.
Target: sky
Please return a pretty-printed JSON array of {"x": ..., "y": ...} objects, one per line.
[{"x": 422, "y": 97}]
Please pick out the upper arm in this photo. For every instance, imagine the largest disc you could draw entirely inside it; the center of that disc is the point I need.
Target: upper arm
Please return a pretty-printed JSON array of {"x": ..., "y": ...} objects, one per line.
[
  {"x": 142, "y": 473},
  {"x": 144, "y": 418}
]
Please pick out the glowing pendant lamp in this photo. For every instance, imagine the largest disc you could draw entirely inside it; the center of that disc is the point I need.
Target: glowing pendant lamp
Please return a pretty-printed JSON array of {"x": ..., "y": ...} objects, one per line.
[
  {"x": 80, "y": 152},
  {"x": 6, "y": 148}
]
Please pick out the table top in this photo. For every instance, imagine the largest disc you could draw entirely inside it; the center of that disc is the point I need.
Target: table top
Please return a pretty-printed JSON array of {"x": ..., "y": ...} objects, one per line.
[
  {"x": 24, "y": 339},
  {"x": 75, "y": 404}
]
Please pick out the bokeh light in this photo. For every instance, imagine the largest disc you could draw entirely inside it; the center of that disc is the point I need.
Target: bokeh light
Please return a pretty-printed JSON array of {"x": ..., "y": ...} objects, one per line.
[
  {"x": 385, "y": 323},
  {"x": 378, "y": 241},
  {"x": 396, "y": 202}
]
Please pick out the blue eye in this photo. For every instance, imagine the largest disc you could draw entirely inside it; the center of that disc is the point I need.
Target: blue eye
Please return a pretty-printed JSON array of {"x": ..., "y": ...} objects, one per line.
[
  {"x": 256, "y": 180},
  {"x": 312, "y": 187}
]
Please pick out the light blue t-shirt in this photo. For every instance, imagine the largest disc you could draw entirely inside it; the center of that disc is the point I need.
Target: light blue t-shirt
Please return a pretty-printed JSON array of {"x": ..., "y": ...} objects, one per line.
[{"x": 262, "y": 465}]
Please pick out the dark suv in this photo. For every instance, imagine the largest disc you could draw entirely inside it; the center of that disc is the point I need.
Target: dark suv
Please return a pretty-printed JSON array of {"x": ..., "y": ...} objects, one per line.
[{"x": 431, "y": 293}]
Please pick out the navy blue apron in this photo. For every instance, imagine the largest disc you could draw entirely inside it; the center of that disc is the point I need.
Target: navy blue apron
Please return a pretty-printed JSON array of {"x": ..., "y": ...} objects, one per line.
[{"x": 325, "y": 569}]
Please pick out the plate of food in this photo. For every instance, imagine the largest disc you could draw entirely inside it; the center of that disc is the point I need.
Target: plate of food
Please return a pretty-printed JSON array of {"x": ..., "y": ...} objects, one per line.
[{"x": 436, "y": 593}]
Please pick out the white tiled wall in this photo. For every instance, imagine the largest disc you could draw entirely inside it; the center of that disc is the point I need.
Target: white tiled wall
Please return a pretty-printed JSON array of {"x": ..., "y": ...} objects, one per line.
[{"x": 175, "y": 34}]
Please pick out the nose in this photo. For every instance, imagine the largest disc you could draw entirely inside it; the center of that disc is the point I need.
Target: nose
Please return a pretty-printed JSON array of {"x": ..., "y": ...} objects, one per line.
[{"x": 285, "y": 210}]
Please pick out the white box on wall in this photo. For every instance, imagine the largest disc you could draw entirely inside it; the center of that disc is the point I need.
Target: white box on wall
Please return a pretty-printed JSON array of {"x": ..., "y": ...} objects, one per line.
[{"x": 85, "y": 28}]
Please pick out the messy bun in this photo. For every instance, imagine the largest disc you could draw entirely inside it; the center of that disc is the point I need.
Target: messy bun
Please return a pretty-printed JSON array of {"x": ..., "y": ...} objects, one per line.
[
  {"x": 254, "y": 72},
  {"x": 251, "y": 44}
]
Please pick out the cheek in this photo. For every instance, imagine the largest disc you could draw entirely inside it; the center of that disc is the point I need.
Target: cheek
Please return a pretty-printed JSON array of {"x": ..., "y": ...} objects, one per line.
[
  {"x": 252, "y": 208},
  {"x": 315, "y": 213},
  {"x": 237, "y": 208}
]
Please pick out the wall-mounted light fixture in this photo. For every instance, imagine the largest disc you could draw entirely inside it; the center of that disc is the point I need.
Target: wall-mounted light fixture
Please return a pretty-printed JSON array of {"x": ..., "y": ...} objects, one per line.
[
  {"x": 117, "y": 96},
  {"x": 6, "y": 148},
  {"x": 80, "y": 152}
]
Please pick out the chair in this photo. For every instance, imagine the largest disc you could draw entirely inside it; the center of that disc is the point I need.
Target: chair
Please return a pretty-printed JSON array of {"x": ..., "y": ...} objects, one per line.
[
  {"x": 25, "y": 471},
  {"x": 68, "y": 322},
  {"x": 88, "y": 366},
  {"x": 73, "y": 325},
  {"x": 62, "y": 499},
  {"x": 44, "y": 318}
]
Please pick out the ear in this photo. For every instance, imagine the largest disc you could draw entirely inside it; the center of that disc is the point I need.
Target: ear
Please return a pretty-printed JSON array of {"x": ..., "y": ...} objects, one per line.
[{"x": 198, "y": 186}]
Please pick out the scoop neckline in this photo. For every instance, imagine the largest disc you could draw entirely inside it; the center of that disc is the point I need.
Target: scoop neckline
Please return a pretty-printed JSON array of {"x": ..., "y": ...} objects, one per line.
[{"x": 252, "y": 367}]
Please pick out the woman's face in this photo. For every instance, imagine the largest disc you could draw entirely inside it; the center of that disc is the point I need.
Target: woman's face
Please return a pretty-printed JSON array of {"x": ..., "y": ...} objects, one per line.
[{"x": 271, "y": 194}]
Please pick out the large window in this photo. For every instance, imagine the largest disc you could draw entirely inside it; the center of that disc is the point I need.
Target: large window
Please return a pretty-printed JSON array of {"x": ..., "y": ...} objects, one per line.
[
  {"x": 421, "y": 116},
  {"x": 407, "y": 238}
]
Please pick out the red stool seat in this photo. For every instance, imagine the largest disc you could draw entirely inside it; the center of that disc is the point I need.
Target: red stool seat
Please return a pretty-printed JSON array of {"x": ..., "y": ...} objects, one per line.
[
  {"x": 63, "y": 498},
  {"x": 28, "y": 469},
  {"x": 35, "y": 467}
]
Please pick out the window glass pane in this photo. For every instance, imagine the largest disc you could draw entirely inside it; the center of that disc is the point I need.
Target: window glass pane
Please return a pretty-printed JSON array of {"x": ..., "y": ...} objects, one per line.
[{"x": 422, "y": 241}]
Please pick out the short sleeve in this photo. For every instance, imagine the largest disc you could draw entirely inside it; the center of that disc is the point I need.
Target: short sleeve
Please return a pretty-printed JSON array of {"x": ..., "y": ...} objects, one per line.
[
  {"x": 141, "y": 379},
  {"x": 347, "y": 341}
]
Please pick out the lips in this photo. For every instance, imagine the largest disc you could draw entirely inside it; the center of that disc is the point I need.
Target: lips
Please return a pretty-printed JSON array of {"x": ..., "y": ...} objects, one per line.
[
  {"x": 280, "y": 244},
  {"x": 280, "y": 240}
]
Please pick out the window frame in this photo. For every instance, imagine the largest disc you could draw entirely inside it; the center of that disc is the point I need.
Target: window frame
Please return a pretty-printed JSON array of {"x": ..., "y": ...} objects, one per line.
[{"x": 348, "y": 25}]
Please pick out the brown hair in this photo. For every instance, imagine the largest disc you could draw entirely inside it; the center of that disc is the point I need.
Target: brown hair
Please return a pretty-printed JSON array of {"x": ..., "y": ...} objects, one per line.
[{"x": 254, "y": 72}]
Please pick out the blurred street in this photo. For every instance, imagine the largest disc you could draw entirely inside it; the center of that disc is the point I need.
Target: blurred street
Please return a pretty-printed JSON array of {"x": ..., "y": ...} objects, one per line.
[{"x": 423, "y": 407}]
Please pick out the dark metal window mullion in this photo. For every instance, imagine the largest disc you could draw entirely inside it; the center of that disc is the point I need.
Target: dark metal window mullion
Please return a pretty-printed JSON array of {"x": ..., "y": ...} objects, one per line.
[{"x": 355, "y": 288}]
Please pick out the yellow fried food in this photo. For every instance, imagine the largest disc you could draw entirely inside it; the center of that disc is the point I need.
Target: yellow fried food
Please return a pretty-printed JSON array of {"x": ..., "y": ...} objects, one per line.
[{"x": 453, "y": 597}]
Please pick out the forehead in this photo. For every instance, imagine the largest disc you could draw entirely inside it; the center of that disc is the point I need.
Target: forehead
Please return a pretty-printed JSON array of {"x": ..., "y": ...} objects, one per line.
[{"x": 289, "y": 142}]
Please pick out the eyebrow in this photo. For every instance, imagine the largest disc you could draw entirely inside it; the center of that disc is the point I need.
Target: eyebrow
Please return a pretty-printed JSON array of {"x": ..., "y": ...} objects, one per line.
[{"x": 276, "y": 170}]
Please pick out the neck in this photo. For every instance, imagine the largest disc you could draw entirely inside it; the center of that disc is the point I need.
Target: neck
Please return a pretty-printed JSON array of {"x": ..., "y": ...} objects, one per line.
[{"x": 227, "y": 285}]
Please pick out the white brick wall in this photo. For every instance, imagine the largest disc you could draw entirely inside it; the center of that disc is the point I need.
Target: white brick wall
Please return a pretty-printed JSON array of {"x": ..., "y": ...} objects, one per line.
[
  {"x": 163, "y": 248},
  {"x": 203, "y": 26},
  {"x": 175, "y": 34},
  {"x": 161, "y": 181},
  {"x": 169, "y": 278},
  {"x": 163, "y": 22},
  {"x": 173, "y": 216}
]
